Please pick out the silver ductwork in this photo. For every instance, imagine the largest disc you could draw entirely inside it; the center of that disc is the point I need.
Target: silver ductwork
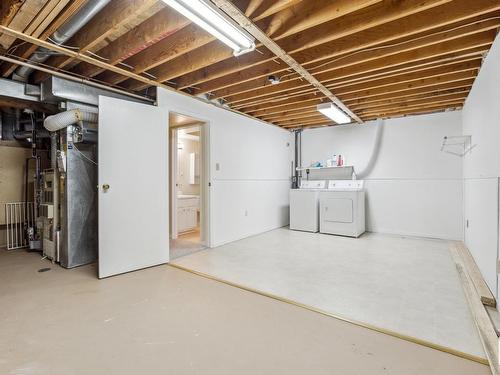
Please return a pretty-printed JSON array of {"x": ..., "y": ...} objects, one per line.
[{"x": 80, "y": 19}]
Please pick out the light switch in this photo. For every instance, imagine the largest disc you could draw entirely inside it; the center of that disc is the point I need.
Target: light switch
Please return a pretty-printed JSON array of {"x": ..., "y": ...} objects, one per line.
[{"x": 217, "y": 166}]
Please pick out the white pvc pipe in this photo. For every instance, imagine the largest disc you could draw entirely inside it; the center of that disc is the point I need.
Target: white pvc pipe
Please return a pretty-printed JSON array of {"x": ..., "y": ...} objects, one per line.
[{"x": 64, "y": 119}]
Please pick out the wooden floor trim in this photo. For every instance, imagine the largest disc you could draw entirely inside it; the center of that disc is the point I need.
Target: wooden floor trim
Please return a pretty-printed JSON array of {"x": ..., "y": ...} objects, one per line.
[
  {"x": 401, "y": 336},
  {"x": 484, "y": 326},
  {"x": 477, "y": 279}
]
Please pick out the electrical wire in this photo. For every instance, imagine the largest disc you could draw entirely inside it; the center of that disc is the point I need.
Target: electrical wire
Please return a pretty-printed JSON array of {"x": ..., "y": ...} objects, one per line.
[
  {"x": 83, "y": 155},
  {"x": 96, "y": 55},
  {"x": 149, "y": 75},
  {"x": 62, "y": 45},
  {"x": 126, "y": 65},
  {"x": 13, "y": 48}
]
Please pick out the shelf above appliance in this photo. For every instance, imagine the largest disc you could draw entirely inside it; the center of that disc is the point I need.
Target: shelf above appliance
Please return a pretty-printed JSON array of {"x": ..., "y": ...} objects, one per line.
[{"x": 319, "y": 168}]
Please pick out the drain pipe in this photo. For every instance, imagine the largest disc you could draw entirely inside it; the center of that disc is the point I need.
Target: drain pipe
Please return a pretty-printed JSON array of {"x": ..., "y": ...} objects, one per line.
[
  {"x": 298, "y": 158},
  {"x": 65, "y": 32}
]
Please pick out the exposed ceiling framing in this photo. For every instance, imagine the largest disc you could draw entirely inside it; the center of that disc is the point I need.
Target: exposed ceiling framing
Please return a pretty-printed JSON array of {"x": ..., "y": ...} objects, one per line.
[{"x": 380, "y": 58}]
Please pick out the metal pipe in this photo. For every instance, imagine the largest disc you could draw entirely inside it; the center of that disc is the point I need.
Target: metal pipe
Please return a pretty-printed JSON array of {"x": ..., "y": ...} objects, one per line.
[
  {"x": 26, "y": 183},
  {"x": 297, "y": 158},
  {"x": 74, "y": 79},
  {"x": 66, "y": 31},
  {"x": 55, "y": 191},
  {"x": 25, "y": 134}
]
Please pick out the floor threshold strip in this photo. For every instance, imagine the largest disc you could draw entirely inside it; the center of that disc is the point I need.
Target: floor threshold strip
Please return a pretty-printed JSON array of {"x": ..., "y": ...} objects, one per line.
[{"x": 401, "y": 336}]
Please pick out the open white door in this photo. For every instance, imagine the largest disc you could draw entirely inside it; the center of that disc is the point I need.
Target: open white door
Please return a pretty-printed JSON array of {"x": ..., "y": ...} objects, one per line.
[
  {"x": 133, "y": 186},
  {"x": 174, "y": 172}
]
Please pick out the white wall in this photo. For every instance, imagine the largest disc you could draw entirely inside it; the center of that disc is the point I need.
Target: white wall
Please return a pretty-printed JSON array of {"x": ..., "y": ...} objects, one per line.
[
  {"x": 414, "y": 188},
  {"x": 481, "y": 120},
  {"x": 250, "y": 191}
]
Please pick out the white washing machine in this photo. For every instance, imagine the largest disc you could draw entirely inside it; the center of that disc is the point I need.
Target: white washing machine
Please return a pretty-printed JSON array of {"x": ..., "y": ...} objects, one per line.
[
  {"x": 342, "y": 208},
  {"x": 304, "y": 205}
]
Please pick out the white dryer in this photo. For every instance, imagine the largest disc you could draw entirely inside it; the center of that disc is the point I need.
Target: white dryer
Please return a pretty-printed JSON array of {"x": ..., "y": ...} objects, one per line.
[
  {"x": 342, "y": 208},
  {"x": 304, "y": 205}
]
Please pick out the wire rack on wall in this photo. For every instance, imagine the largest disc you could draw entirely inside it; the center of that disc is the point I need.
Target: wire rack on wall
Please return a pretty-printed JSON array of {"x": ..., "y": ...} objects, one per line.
[{"x": 458, "y": 145}]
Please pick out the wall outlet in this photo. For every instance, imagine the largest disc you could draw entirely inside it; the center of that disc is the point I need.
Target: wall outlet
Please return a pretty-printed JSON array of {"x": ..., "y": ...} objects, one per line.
[{"x": 246, "y": 212}]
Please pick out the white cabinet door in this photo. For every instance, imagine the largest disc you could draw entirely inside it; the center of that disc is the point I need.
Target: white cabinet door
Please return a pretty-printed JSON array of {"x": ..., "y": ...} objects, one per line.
[
  {"x": 181, "y": 219},
  {"x": 191, "y": 217},
  {"x": 133, "y": 186}
]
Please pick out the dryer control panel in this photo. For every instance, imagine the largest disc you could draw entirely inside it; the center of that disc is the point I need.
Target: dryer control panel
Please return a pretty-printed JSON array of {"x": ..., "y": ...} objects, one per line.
[
  {"x": 312, "y": 184},
  {"x": 346, "y": 185}
]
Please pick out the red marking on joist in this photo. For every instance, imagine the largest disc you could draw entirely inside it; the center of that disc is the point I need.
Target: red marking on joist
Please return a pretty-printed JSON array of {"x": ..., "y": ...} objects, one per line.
[{"x": 148, "y": 44}]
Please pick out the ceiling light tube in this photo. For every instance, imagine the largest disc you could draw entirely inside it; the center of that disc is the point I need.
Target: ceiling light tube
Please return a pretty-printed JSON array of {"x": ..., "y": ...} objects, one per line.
[
  {"x": 333, "y": 112},
  {"x": 215, "y": 22}
]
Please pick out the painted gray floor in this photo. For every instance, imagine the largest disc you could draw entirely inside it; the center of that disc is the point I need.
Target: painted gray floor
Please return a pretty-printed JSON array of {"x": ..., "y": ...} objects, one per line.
[
  {"x": 404, "y": 284},
  {"x": 165, "y": 321}
]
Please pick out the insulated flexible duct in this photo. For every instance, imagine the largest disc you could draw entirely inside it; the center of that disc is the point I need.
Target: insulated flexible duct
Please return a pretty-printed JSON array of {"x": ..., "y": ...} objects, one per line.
[
  {"x": 375, "y": 151},
  {"x": 64, "y": 119}
]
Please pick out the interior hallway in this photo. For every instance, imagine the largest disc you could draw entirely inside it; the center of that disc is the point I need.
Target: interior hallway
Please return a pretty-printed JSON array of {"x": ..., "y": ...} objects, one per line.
[
  {"x": 163, "y": 320},
  {"x": 186, "y": 244}
]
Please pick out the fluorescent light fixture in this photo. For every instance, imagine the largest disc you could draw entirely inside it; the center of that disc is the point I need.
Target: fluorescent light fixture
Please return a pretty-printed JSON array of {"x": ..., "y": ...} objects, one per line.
[
  {"x": 335, "y": 113},
  {"x": 216, "y": 22}
]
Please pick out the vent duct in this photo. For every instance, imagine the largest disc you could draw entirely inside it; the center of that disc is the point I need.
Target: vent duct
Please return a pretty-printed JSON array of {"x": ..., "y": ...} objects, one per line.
[{"x": 66, "y": 31}]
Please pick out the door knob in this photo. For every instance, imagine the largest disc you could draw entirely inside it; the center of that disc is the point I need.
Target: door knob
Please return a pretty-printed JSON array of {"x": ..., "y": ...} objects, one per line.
[{"x": 105, "y": 187}]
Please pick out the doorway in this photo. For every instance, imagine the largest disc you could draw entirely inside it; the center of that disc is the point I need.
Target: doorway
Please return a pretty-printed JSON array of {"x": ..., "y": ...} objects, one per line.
[{"x": 189, "y": 181}]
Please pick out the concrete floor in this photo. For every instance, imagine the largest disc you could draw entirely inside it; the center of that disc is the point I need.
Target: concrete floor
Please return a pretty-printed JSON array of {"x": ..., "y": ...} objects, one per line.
[
  {"x": 165, "y": 321},
  {"x": 403, "y": 284}
]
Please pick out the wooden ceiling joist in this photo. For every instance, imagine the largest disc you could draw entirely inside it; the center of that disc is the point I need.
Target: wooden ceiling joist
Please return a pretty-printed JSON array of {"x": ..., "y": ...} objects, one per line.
[
  {"x": 411, "y": 105},
  {"x": 415, "y": 111},
  {"x": 308, "y": 112},
  {"x": 347, "y": 93},
  {"x": 185, "y": 40},
  {"x": 23, "y": 104},
  {"x": 381, "y": 73},
  {"x": 343, "y": 7},
  {"x": 442, "y": 53},
  {"x": 159, "y": 26},
  {"x": 260, "y": 9},
  {"x": 448, "y": 14},
  {"x": 8, "y": 10},
  {"x": 412, "y": 92},
  {"x": 335, "y": 29},
  {"x": 26, "y": 50},
  {"x": 379, "y": 58},
  {"x": 382, "y": 36},
  {"x": 20, "y": 21},
  {"x": 115, "y": 14},
  {"x": 307, "y": 14},
  {"x": 251, "y": 28}
]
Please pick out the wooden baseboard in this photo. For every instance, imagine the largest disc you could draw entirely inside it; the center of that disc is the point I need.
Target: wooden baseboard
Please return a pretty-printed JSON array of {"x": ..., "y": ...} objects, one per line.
[
  {"x": 475, "y": 275},
  {"x": 484, "y": 325}
]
